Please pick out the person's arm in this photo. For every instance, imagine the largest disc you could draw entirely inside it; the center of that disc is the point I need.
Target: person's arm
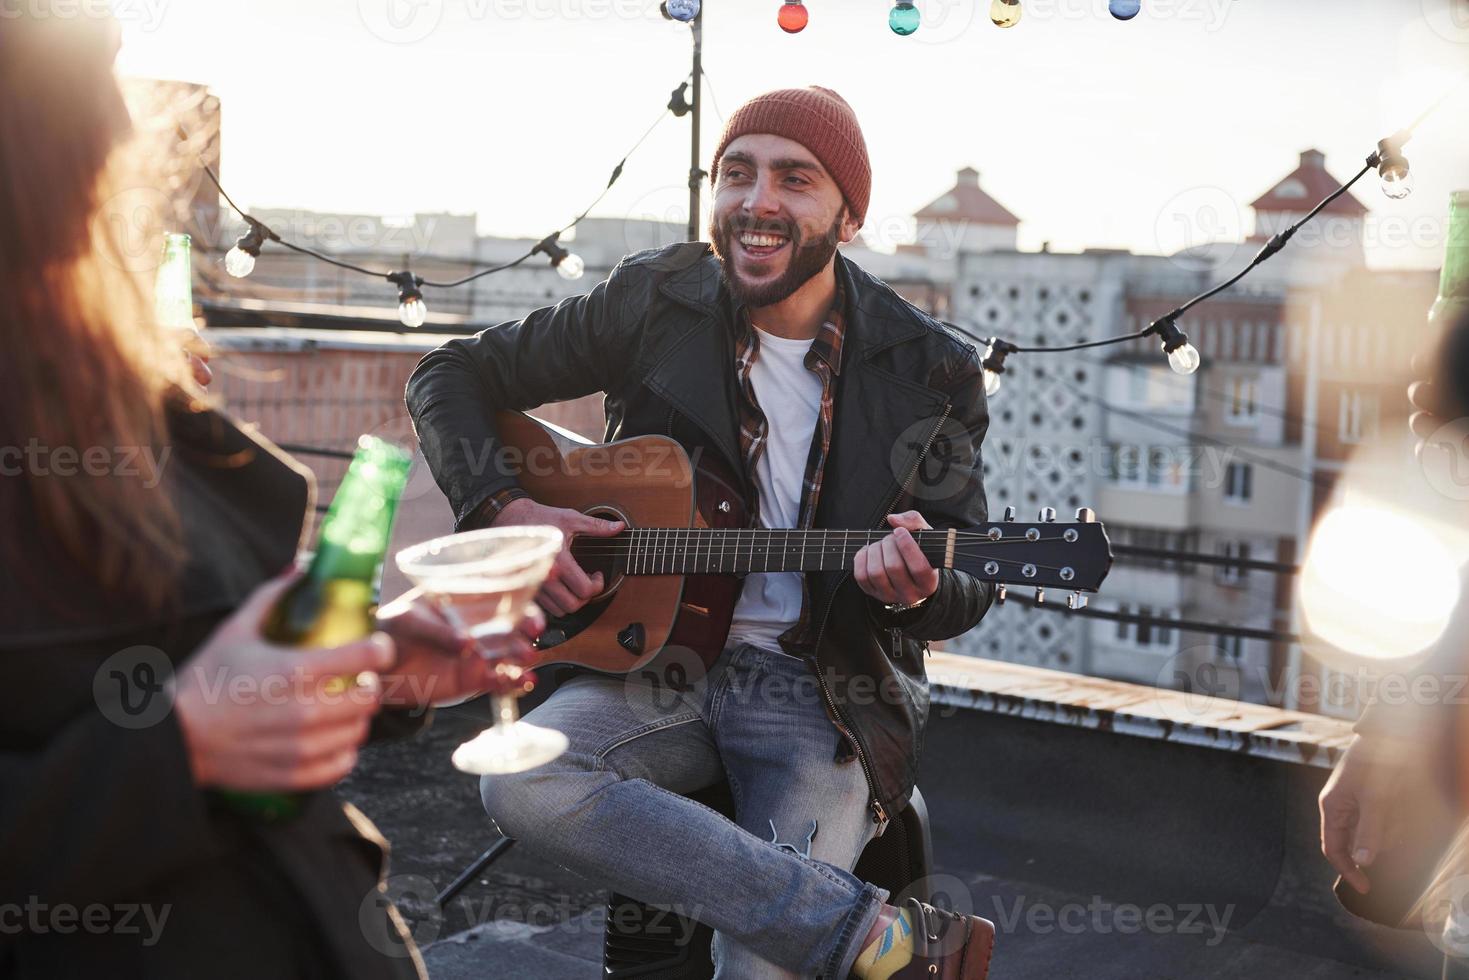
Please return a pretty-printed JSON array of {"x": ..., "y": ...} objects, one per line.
[
  {"x": 110, "y": 801},
  {"x": 97, "y": 812},
  {"x": 959, "y": 600},
  {"x": 575, "y": 348}
]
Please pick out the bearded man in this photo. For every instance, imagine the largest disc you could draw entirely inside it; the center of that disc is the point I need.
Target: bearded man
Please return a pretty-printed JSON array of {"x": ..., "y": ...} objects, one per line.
[{"x": 808, "y": 377}]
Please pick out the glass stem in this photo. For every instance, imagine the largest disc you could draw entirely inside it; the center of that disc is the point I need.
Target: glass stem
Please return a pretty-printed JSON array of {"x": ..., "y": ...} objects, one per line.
[{"x": 506, "y": 711}]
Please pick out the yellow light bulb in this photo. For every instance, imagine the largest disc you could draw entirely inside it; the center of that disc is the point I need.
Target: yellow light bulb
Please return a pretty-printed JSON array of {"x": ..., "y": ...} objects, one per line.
[{"x": 1005, "y": 13}]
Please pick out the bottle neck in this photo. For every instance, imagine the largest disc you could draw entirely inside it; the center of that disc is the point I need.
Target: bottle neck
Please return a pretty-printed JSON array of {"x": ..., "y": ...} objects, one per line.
[
  {"x": 1454, "y": 281},
  {"x": 355, "y": 532}
]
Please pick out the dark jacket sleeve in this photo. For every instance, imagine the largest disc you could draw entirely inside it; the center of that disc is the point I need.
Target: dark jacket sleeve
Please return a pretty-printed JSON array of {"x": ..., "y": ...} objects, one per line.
[
  {"x": 97, "y": 811},
  {"x": 961, "y": 600},
  {"x": 575, "y": 348}
]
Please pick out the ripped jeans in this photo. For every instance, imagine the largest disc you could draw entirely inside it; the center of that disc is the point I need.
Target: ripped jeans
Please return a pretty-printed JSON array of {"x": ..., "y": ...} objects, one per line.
[{"x": 610, "y": 809}]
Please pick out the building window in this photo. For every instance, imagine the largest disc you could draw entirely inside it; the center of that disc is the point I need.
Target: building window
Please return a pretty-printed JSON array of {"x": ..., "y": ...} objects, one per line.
[
  {"x": 1151, "y": 636},
  {"x": 1163, "y": 468},
  {"x": 1239, "y": 405},
  {"x": 1232, "y": 574},
  {"x": 1230, "y": 647},
  {"x": 1157, "y": 539},
  {"x": 1356, "y": 416},
  {"x": 1239, "y": 481},
  {"x": 1149, "y": 386},
  {"x": 1127, "y": 465}
]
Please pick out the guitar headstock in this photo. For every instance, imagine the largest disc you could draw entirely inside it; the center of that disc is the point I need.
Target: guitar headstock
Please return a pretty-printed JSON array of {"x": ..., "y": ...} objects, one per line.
[{"x": 1043, "y": 553}]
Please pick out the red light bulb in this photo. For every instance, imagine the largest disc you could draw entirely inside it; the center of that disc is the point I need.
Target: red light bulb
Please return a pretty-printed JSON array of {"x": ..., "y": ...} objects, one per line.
[{"x": 792, "y": 17}]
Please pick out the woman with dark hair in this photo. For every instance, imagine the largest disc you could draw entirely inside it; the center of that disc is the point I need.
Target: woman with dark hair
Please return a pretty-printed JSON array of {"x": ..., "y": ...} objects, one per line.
[{"x": 146, "y": 536}]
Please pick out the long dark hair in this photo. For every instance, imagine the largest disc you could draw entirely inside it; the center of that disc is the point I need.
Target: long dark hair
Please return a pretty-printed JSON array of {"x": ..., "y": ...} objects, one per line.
[{"x": 85, "y": 365}]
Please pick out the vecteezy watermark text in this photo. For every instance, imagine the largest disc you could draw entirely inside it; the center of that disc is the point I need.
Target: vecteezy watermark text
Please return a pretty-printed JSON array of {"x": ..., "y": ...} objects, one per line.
[
  {"x": 1102, "y": 918},
  {"x": 37, "y": 459},
  {"x": 38, "y": 918},
  {"x": 147, "y": 13}
]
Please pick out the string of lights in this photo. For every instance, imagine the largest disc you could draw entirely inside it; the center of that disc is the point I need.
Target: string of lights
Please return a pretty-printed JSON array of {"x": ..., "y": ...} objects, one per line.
[
  {"x": 904, "y": 18},
  {"x": 239, "y": 261},
  {"x": 1396, "y": 181}
]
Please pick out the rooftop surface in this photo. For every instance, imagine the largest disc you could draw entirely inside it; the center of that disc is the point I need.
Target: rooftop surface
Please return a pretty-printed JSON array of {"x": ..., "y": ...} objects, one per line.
[{"x": 1110, "y": 831}]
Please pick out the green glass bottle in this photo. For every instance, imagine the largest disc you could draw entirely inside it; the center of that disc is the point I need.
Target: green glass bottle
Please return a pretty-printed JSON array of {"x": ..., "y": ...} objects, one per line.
[
  {"x": 173, "y": 290},
  {"x": 1453, "y": 283},
  {"x": 335, "y": 602}
]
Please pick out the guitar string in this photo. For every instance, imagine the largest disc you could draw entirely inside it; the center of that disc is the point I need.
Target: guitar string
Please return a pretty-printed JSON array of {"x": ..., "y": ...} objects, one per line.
[
  {"x": 660, "y": 537},
  {"x": 658, "y": 560}
]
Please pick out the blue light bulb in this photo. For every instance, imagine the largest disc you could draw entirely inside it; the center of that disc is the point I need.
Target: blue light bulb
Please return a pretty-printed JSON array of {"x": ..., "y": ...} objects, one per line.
[
  {"x": 683, "y": 10},
  {"x": 1124, "y": 9},
  {"x": 904, "y": 18}
]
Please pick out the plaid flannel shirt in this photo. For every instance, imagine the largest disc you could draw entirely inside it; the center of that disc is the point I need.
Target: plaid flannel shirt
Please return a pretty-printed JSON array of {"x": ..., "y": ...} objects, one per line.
[{"x": 824, "y": 359}]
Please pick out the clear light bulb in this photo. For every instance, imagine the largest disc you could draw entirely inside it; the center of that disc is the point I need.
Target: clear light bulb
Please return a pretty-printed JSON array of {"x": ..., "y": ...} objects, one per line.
[
  {"x": 1184, "y": 359},
  {"x": 238, "y": 262},
  {"x": 571, "y": 267},
  {"x": 413, "y": 312},
  {"x": 904, "y": 18},
  {"x": 991, "y": 383},
  {"x": 684, "y": 10},
  {"x": 1005, "y": 13},
  {"x": 792, "y": 17},
  {"x": 1124, "y": 9},
  {"x": 1397, "y": 182}
]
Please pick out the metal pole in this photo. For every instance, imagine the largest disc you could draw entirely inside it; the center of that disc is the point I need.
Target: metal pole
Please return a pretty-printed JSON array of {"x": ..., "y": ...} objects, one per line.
[
  {"x": 474, "y": 870},
  {"x": 696, "y": 175}
]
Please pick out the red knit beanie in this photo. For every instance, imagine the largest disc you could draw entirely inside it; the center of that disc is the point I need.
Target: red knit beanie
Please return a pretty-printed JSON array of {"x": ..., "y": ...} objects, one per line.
[{"x": 822, "y": 122}]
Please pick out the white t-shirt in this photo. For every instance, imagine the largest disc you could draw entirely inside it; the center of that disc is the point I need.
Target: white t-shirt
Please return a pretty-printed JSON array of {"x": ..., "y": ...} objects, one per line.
[{"x": 790, "y": 397}]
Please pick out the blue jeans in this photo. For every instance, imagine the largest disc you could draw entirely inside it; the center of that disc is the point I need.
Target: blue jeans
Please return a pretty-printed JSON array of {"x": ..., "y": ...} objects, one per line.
[{"x": 611, "y": 809}]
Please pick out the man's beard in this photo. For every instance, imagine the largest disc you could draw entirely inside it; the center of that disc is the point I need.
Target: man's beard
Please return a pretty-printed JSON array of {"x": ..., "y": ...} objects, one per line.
[{"x": 806, "y": 260}]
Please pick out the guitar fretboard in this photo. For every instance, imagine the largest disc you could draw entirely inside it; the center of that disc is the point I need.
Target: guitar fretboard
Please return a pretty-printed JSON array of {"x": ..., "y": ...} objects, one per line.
[{"x": 696, "y": 551}]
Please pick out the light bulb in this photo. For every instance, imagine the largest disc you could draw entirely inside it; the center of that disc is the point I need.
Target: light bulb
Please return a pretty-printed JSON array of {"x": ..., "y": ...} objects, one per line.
[
  {"x": 684, "y": 10},
  {"x": 571, "y": 267},
  {"x": 238, "y": 262},
  {"x": 991, "y": 383},
  {"x": 1184, "y": 359},
  {"x": 1124, "y": 9},
  {"x": 904, "y": 18},
  {"x": 1005, "y": 13},
  {"x": 1397, "y": 182},
  {"x": 792, "y": 17},
  {"x": 413, "y": 312}
]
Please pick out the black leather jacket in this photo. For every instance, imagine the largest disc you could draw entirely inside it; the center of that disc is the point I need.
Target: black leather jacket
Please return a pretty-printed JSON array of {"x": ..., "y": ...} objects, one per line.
[{"x": 658, "y": 338}]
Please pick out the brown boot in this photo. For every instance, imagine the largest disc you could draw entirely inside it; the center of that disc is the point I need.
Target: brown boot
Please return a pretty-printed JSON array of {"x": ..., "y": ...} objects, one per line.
[{"x": 947, "y": 946}]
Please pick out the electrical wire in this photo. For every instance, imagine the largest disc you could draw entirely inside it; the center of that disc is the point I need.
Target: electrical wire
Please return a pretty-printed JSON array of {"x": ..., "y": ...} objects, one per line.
[{"x": 271, "y": 235}]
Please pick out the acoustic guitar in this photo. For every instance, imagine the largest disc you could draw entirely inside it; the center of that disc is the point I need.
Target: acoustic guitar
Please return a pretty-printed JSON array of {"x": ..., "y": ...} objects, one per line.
[{"x": 672, "y": 578}]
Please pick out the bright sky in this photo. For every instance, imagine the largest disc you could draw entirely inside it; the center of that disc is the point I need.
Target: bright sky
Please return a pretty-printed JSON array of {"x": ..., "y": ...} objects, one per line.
[{"x": 1097, "y": 133}]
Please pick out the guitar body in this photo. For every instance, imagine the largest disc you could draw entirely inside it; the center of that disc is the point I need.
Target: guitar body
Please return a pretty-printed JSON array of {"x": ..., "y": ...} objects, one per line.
[
  {"x": 645, "y": 481},
  {"x": 671, "y": 580}
]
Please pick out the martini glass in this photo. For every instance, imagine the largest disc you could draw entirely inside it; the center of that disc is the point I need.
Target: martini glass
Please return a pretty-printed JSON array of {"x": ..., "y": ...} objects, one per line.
[{"x": 483, "y": 582}]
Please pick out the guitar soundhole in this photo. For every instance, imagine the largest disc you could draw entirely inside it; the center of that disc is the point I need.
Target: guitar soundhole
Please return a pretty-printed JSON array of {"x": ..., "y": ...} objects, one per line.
[{"x": 594, "y": 555}]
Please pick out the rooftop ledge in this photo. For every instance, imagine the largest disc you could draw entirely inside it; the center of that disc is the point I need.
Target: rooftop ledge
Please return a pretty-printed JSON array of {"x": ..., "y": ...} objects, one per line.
[{"x": 1134, "y": 709}]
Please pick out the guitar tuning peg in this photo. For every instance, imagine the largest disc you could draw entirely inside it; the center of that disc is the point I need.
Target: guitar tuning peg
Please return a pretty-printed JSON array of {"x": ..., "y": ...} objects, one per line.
[
  {"x": 1010, "y": 513},
  {"x": 1000, "y": 594},
  {"x": 1086, "y": 515},
  {"x": 1048, "y": 513},
  {"x": 1076, "y": 600},
  {"x": 1040, "y": 596}
]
